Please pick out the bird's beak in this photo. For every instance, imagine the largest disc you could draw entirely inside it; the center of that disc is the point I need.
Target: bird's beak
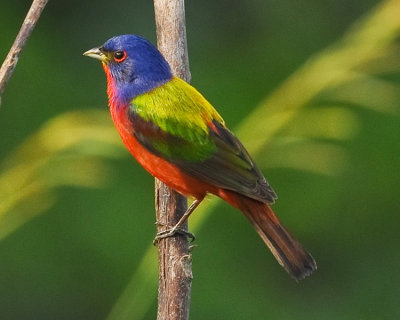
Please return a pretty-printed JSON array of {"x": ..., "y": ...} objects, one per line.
[{"x": 96, "y": 53}]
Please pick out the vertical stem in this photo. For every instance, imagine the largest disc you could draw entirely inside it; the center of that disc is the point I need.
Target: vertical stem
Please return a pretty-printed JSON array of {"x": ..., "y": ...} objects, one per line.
[
  {"x": 171, "y": 35},
  {"x": 175, "y": 267}
]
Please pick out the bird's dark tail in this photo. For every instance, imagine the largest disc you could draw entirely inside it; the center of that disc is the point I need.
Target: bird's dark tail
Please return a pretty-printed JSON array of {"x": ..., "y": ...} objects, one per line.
[{"x": 287, "y": 251}]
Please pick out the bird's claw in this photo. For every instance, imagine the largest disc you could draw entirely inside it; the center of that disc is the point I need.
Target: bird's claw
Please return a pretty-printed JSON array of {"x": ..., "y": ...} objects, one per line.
[{"x": 171, "y": 232}]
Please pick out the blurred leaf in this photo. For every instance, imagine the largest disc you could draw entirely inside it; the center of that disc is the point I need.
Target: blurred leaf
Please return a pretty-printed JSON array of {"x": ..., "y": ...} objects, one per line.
[
  {"x": 334, "y": 123},
  {"x": 138, "y": 296},
  {"x": 369, "y": 92},
  {"x": 371, "y": 38},
  {"x": 68, "y": 150},
  {"x": 305, "y": 155}
]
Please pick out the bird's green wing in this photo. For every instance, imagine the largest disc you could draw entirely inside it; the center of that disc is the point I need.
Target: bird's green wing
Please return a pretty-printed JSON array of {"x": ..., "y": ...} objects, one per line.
[
  {"x": 176, "y": 123},
  {"x": 230, "y": 167}
]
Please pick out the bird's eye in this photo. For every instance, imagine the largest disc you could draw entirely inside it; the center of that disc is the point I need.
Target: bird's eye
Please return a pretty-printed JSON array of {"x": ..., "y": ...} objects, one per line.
[{"x": 119, "y": 56}]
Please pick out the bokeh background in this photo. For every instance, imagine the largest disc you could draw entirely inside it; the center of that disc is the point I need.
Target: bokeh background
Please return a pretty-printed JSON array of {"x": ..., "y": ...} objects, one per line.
[{"x": 312, "y": 88}]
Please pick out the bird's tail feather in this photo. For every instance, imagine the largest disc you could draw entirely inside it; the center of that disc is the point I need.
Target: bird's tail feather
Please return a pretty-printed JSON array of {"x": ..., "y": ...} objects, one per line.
[{"x": 287, "y": 251}]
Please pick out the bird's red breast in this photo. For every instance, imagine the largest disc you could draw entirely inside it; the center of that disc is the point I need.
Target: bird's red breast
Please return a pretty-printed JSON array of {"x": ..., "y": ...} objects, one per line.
[{"x": 156, "y": 166}]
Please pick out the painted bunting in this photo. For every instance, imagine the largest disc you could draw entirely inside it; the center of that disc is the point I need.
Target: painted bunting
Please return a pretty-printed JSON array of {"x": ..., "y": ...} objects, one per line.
[{"x": 178, "y": 137}]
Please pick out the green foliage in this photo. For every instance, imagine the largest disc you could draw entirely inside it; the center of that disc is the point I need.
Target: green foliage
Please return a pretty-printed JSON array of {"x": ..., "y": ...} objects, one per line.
[{"x": 69, "y": 150}]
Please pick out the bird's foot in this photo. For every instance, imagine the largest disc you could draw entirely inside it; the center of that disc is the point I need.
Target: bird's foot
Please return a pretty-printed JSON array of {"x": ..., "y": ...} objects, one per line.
[{"x": 171, "y": 232}]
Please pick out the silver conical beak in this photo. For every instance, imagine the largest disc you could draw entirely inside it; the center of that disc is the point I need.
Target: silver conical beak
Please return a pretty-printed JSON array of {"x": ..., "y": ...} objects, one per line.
[{"x": 96, "y": 53}]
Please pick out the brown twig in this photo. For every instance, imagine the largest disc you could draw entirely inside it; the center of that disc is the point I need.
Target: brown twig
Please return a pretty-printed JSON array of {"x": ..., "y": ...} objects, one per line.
[
  {"x": 11, "y": 60},
  {"x": 175, "y": 267}
]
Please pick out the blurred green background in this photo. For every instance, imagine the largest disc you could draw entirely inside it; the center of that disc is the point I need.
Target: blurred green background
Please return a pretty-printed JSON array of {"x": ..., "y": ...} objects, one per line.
[{"x": 312, "y": 88}]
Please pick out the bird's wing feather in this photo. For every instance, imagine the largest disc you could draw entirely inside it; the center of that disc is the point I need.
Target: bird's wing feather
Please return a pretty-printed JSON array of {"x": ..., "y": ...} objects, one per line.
[
  {"x": 189, "y": 133},
  {"x": 230, "y": 167}
]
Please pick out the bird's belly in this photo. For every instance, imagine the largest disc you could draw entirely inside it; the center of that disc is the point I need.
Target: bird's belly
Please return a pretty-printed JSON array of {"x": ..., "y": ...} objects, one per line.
[{"x": 165, "y": 171}]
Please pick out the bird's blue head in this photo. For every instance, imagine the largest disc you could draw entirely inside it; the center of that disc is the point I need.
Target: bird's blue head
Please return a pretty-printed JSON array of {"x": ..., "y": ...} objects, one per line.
[{"x": 133, "y": 66}]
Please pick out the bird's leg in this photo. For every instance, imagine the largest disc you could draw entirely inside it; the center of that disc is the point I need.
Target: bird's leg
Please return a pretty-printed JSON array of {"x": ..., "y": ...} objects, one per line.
[{"x": 177, "y": 228}]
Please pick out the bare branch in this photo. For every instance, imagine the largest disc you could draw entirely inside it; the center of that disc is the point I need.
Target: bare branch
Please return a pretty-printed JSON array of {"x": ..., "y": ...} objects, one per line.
[
  {"x": 171, "y": 35},
  {"x": 175, "y": 267},
  {"x": 11, "y": 60}
]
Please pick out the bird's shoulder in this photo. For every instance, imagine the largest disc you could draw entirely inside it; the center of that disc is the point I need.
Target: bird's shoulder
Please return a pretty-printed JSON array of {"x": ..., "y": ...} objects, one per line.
[
  {"x": 173, "y": 120},
  {"x": 175, "y": 105}
]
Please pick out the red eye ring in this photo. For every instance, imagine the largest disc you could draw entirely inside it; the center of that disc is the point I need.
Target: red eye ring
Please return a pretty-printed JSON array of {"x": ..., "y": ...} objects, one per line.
[{"x": 119, "y": 56}]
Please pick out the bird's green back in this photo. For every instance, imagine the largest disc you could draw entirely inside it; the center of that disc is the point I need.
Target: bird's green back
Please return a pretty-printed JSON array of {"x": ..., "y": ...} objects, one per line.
[{"x": 180, "y": 111}]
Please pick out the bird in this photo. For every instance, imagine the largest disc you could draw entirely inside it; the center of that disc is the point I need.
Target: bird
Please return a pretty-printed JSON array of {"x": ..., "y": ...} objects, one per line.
[{"x": 180, "y": 138}]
